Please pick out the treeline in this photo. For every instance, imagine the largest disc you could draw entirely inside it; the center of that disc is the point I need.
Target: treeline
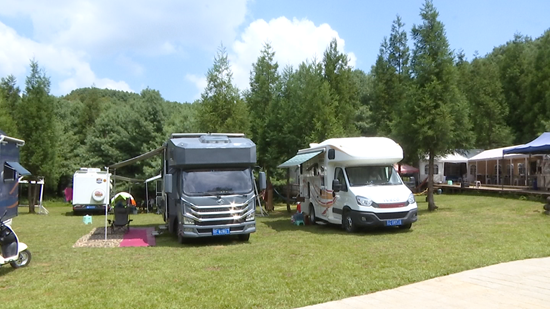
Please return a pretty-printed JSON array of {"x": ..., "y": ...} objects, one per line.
[{"x": 429, "y": 98}]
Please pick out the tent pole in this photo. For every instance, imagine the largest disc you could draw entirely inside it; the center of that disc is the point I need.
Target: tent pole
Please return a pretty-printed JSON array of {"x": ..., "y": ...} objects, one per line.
[
  {"x": 146, "y": 197},
  {"x": 486, "y": 171},
  {"x": 526, "y": 170}
]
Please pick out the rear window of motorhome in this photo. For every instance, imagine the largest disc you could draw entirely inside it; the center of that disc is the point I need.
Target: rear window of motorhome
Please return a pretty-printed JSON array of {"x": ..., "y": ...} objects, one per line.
[{"x": 372, "y": 175}]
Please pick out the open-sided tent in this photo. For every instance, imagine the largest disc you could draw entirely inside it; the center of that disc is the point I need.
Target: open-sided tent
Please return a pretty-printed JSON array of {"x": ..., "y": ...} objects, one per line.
[
  {"x": 540, "y": 145},
  {"x": 511, "y": 168}
]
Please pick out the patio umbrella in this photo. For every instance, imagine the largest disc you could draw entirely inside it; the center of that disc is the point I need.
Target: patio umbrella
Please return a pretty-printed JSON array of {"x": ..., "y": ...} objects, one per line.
[{"x": 123, "y": 196}]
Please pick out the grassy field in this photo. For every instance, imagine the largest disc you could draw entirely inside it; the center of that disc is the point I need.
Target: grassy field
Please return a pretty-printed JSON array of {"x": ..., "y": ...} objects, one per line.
[{"x": 282, "y": 266}]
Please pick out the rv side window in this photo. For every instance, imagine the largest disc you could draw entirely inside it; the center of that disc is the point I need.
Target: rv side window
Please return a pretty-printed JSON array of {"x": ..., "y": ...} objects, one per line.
[
  {"x": 339, "y": 174},
  {"x": 8, "y": 173}
]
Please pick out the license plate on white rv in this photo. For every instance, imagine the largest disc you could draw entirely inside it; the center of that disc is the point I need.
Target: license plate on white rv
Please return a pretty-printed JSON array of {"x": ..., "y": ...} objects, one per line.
[
  {"x": 393, "y": 222},
  {"x": 220, "y": 232}
]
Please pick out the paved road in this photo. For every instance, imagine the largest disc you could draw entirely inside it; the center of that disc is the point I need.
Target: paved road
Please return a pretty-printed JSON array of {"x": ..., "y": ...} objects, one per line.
[{"x": 519, "y": 284}]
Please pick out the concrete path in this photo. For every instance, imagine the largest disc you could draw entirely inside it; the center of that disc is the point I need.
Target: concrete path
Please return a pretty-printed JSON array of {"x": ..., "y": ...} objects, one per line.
[{"x": 519, "y": 284}]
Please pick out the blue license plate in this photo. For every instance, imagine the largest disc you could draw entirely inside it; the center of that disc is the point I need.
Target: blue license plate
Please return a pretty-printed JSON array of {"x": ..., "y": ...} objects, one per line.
[
  {"x": 393, "y": 222},
  {"x": 90, "y": 207},
  {"x": 220, "y": 231}
]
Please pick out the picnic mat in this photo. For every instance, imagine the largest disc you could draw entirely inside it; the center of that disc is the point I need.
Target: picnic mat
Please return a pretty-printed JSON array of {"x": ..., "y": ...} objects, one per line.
[{"x": 138, "y": 237}]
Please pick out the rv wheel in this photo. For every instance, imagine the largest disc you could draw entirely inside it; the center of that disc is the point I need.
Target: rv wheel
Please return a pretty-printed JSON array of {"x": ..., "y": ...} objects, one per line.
[
  {"x": 311, "y": 214},
  {"x": 406, "y": 226},
  {"x": 182, "y": 240},
  {"x": 347, "y": 223},
  {"x": 244, "y": 237}
]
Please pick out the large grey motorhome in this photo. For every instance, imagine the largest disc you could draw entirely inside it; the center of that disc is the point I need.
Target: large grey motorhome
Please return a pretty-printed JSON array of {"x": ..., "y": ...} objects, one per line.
[
  {"x": 209, "y": 187},
  {"x": 10, "y": 172}
]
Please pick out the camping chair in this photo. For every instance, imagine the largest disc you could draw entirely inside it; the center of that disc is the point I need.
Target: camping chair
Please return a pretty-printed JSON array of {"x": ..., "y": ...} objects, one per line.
[{"x": 121, "y": 219}]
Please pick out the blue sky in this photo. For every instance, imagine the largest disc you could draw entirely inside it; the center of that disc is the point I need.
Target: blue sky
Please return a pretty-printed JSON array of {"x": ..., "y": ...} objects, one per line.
[{"x": 169, "y": 45}]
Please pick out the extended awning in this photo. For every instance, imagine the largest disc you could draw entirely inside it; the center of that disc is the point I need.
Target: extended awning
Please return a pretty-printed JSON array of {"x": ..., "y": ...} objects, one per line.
[
  {"x": 128, "y": 179},
  {"x": 133, "y": 160},
  {"x": 152, "y": 178},
  {"x": 299, "y": 159},
  {"x": 18, "y": 168}
]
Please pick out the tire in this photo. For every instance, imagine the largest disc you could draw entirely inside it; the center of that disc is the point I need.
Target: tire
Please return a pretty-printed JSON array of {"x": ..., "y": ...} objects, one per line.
[
  {"x": 182, "y": 240},
  {"x": 347, "y": 223},
  {"x": 312, "y": 218},
  {"x": 405, "y": 226},
  {"x": 23, "y": 260},
  {"x": 244, "y": 237}
]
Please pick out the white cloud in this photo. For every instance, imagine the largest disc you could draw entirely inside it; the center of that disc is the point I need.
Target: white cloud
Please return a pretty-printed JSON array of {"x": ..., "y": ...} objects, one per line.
[
  {"x": 103, "y": 26},
  {"x": 293, "y": 42},
  {"x": 65, "y": 64},
  {"x": 199, "y": 82}
]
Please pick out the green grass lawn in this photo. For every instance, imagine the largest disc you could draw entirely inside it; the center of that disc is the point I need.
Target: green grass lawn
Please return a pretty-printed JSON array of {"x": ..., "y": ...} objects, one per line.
[{"x": 282, "y": 266}]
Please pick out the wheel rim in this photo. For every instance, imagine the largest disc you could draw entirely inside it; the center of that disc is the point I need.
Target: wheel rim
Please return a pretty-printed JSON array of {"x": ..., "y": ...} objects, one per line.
[
  {"x": 23, "y": 258},
  {"x": 349, "y": 222}
]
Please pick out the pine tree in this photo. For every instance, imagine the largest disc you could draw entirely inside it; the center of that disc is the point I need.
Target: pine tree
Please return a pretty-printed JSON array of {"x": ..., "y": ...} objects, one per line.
[
  {"x": 391, "y": 81},
  {"x": 264, "y": 84},
  {"x": 343, "y": 88},
  {"x": 38, "y": 128},
  {"x": 221, "y": 107},
  {"x": 11, "y": 98},
  {"x": 488, "y": 110},
  {"x": 436, "y": 112}
]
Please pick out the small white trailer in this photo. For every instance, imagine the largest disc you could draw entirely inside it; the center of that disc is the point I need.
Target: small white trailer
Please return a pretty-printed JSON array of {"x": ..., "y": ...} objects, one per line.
[
  {"x": 91, "y": 190},
  {"x": 352, "y": 181}
]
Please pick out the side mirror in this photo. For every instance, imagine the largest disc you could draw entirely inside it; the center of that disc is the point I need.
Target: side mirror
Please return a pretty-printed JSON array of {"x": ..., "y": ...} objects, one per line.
[
  {"x": 262, "y": 181},
  {"x": 331, "y": 154},
  {"x": 168, "y": 183},
  {"x": 336, "y": 185}
]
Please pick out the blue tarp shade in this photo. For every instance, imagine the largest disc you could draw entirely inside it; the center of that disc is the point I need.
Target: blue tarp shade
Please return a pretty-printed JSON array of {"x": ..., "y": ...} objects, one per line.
[
  {"x": 300, "y": 158},
  {"x": 18, "y": 168},
  {"x": 540, "y": 145}
]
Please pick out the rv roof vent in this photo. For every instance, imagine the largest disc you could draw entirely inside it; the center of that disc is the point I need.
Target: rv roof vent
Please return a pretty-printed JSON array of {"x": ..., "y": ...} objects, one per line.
[{"x": 214, "y": 139}]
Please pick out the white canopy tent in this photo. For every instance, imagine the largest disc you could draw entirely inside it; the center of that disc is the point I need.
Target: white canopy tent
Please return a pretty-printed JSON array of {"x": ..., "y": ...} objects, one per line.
[
  {"x": 498, "y": 156},
  {"x": 439, "y": 166}
]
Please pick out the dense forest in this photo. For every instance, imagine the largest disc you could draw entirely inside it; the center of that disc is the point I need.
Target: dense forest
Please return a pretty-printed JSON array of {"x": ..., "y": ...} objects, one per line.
[{"x": 427, "y": 97}]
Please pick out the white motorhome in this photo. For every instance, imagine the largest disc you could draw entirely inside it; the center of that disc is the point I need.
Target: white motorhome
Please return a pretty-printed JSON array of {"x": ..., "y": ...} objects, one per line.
[
  {"x": 91, "y": 190},
  {"x": 352, "y": 182}
]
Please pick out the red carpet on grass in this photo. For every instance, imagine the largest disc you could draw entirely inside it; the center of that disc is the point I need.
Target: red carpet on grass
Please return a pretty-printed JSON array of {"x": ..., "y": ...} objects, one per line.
[{"x": 138, "y": 237}]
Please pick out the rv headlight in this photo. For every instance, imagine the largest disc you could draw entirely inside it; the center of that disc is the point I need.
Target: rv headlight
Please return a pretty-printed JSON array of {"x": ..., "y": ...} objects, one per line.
[
  {"x": 411, "y": 199},
  {"x": 250, "y": 216},
  {"x": 188, "y": 221},
  {"x": 364, "y": 201}
]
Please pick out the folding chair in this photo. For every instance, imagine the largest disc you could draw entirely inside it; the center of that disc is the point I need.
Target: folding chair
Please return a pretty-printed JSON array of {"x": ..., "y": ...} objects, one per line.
[{"x": 121, "y": 219}]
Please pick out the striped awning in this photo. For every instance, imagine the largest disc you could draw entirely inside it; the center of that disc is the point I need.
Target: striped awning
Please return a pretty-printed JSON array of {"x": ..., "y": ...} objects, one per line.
[{"x": 300, "y": 158}]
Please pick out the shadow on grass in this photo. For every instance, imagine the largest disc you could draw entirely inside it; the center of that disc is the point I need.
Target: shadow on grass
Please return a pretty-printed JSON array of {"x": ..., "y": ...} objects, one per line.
[
  {"x": 6, "y": 269},
  {"x": 169, "y": 240},
  {"x": 284, "y": 225}
]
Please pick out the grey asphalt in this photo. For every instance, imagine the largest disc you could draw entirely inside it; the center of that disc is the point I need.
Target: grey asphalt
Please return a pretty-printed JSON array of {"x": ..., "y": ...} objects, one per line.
[{"x": 518, "y": 284}]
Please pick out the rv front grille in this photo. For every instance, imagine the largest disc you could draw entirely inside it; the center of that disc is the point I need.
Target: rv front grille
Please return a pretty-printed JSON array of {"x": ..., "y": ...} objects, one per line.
[
  {"x": 208, "y": 215},
  {"x": 392, "y": 215}
]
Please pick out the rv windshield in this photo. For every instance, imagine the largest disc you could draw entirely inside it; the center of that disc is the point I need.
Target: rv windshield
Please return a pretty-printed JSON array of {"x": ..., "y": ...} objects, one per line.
[
  {"x": 372, "y": 175},
  {"x": 217, "y": 182}
]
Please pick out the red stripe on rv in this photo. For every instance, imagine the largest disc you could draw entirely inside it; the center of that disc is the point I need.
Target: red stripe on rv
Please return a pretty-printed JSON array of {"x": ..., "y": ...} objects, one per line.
[{"x": 393, "y": 205}]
